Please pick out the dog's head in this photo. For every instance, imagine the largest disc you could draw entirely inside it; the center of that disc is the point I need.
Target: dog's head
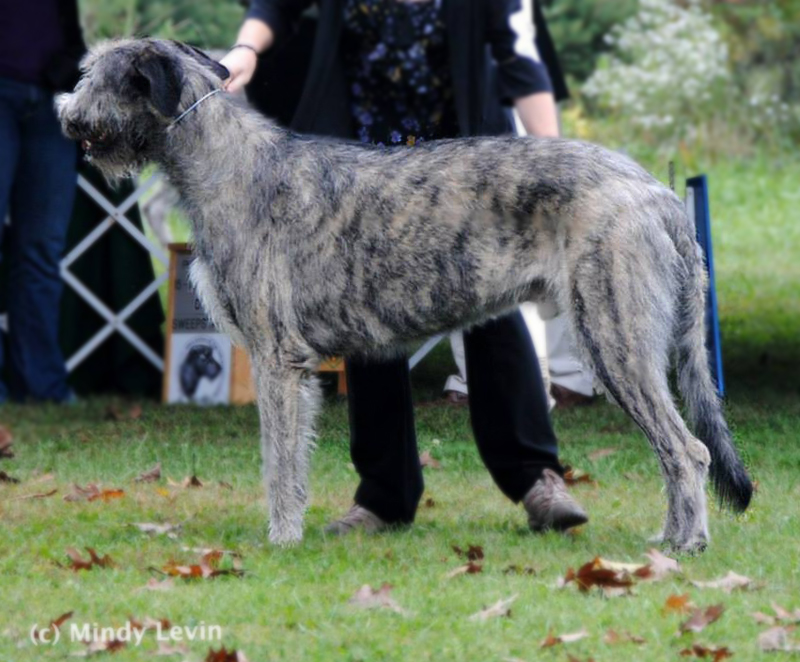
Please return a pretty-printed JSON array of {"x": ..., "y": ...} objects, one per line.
[{"x": 129, "y": 93}]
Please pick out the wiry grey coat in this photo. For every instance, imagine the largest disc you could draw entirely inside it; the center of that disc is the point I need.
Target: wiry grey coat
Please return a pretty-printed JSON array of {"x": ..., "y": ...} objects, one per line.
[{"x": 308, "y": 248}]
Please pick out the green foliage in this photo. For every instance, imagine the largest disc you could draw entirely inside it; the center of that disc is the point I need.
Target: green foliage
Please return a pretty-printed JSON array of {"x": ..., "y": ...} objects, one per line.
[
  {"x": 579, "y": 28},
  {"x": 204, "y": 24}
]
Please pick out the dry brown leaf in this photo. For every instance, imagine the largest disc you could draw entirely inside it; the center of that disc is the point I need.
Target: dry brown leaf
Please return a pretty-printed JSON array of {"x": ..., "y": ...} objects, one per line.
[
  {"x": 777, "y": 639},
  {"x": 95, "y": 561},
  {"x": 5, "y": 478},
  {"x": 551, "y": 640},
  {"x": 101, "y": 646},
  {"x": 154, "y": 584},
  {"x": 149, "y": 624},
  {"x": 501, "y": 608},
  {"x": 473, "y": 552},
  {"x": 427, "y": 460},
  {"x": 165, "y": 649},
  {"x": 223, "y": 655},
  {"x": 614, "y": 637},
  {"x": 189, "y": 481},
  {"x": 572, "y": 658},
  {"x": 514, "y": 569},
  {"x": 369, "y": 598},
  {"x": 715, "y": 654},
  {"x": 785, "y": 615},
  {"x": 114, "y": 413},
  {"x": 601, "y": 453},
  {"x": 728, "y": 583},
  {"x": 467, "y": 569},
  {"x": 661, "y": 565},
  {"x": 701, "y": 618},
  {"x": 206, "y": 568},
  {"x": 149, "y": 476},
  {"x": 166, "y": 528},
  {"x": 38, "y": 495},
  {"x": 602, "y": 573},
  {"x": 6, "y": 441},
  {"x": 574, "y": 477},
  {"x": 225, "y": 486},
  {"x": 430, "y": 503},
  {"x": 680, "y": 604},
  {"x": 55, "y": 623},
  {"x": 92, "y": 492},
  {"x": 38, "y": 480}
]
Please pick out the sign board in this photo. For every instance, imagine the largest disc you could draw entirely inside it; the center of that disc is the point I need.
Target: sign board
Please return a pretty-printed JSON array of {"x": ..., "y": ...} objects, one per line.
[{"x": 202, "y": 366}]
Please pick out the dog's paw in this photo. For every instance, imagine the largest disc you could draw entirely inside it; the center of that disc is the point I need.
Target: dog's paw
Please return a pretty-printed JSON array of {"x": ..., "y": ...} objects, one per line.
[
  {"x": 692, "y": 546},
  {"x": 285, "y": 536}
]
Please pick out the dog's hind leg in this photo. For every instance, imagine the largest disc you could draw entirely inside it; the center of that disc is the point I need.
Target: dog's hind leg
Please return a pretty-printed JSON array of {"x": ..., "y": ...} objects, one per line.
[
  {"x": 286, "y": 402},
  {"x": 629, "y": 351}
]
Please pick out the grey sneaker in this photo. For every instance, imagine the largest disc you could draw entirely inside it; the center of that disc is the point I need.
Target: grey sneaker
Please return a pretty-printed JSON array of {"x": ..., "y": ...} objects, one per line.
[
  {"x": 550, "y": 506},
  {"x": 356, "y": 518}
]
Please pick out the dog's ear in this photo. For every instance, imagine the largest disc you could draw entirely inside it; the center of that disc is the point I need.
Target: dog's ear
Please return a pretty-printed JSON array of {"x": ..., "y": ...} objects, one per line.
[
  {"x": 208, "y": 62},
  {"x": 159, "y": 76}
]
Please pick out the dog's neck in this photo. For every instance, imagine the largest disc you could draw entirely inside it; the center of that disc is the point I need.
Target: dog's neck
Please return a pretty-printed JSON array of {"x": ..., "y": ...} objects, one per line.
[{"x": 210, "y": 158}]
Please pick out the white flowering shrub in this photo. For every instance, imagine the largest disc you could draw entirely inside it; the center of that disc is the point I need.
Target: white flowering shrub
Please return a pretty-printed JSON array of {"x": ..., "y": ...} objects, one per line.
[{"x": 667, "y": 70}]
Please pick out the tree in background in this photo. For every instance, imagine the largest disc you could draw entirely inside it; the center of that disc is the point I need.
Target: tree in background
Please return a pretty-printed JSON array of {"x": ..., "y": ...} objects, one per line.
[
  {"x": 204, "y": 24},
  {"x": 579, "y": 28}
]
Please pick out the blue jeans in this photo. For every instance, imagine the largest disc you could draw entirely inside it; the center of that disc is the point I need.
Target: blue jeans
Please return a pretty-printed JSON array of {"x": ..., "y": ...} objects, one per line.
[{"x": 38, "y": 180}]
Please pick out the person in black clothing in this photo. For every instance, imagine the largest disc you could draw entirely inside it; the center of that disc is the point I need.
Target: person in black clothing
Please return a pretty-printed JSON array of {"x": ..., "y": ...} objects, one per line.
[
  {"x": 400, "y": 72},
  {"x": 40, "y": 47}
]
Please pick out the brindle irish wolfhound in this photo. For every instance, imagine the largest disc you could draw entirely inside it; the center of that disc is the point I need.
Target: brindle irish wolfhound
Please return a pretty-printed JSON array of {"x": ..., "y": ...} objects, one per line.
[{"x": 308, "y": 248}]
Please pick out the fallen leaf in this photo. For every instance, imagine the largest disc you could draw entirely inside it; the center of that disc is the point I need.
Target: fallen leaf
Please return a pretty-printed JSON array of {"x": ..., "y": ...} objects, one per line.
[
  {"x": 467, "y": 569},
  {"x": 37, "y": 480},
  {"x": 473, "y": 553},
  {"x": 576, "y": 476},
  {"x": 601, "y": 453},
  {"x": 427, "y": 460},
  {"x": 56, "y": 623},
  {"x": 518, "y": 570},
  {"x": 728, "y": 583},
  {"x": 165, "y": 649},
  {"x": 154, "y": 584},
  {"x": 661, "y": 565},
  {"x": 107, "y": 495},
  {"x": 189, "y": 481},
  {"x": 38, "y": 495},
  {"x": 5, "y": 478},
  {"x": 223, "y": 655},
  {"x": 429, "y": 503},
  {"x": 614, "y": 637},
  {"x": 149, "y": 476},
  {"x": 225, "y": 486},
  {"x": 101, "y": 646},
  {"x": 550, "y": 640},
  {"x": 158, "y": 529},
  {"x": 369, "y": 598},
  {"x": 715, "y": 654},
  {"x": 501, "y": 608},
  {"x": 784, "y": 615},
  {"x": 599, "y": 572},
  {"x": 77, "y": 562},
  {"x": 701, "y": 618},
  {"x": 679, "y": 604},
  {"x": 6, "y": 441},
  {"x": 92, "y": 492},
  {"x": 148, "y": 623},
  {"x": 777, "y": 639},
  {"x": 206, "y": 568}
]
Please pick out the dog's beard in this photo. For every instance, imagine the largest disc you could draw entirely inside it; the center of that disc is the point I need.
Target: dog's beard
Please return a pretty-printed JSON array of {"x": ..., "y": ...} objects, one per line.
[{"x": 124, "y": 158}]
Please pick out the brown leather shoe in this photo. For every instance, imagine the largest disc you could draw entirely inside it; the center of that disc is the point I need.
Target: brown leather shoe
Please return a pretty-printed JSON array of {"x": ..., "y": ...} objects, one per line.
[
  {"x": 357, "y": 518},
  {"x": 565, "y": 398},
  {"x": 550, "y": 506}
]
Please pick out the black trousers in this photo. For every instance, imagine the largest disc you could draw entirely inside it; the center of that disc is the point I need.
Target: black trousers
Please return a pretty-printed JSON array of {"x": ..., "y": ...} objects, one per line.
[{"x": 508, "y": 409}]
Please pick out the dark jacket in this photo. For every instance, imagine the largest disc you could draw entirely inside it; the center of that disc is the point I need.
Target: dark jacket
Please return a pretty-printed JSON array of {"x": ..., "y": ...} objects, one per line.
[
  {"x": 486, "y": 69},
  {"x": 62, "y": 73}
]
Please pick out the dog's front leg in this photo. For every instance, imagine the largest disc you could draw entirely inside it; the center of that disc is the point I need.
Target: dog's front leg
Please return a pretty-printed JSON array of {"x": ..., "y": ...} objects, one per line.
[{"x": 285, "y": 428}]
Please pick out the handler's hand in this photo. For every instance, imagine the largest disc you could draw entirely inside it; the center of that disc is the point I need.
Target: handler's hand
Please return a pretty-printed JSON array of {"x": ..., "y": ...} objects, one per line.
[{"x": 241, "y": 63}]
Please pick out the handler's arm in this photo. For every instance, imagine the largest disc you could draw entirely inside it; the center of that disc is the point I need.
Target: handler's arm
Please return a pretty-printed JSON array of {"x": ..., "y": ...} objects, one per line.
[
  {"x": 522, "y": 76},
  {"x": 266, "y": 22},
  {"x": 537, "y": 112}
]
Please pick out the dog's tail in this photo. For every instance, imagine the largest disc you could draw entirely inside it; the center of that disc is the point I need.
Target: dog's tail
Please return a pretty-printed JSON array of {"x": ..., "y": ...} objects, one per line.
[{"x": 727, "y": 471}]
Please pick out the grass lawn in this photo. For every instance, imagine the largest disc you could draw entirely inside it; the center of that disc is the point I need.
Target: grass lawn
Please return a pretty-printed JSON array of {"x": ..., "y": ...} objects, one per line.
[{"x": 293, "y": 604}]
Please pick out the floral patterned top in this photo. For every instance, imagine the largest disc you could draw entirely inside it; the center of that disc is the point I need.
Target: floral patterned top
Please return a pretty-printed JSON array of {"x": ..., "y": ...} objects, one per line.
[{"x": 397, "y": 64}]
